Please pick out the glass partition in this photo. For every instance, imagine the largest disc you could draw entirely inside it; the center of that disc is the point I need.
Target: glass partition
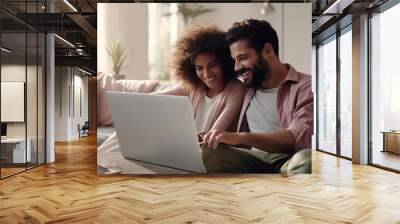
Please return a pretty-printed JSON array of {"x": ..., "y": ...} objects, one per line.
[
  {"x": 327, "y": 96},
  {"x": 22, "y": 88},
  {"x": 14, "y": 153},
  {"x": 385, "y": 89},
  {"x": 346, "y": 93}
]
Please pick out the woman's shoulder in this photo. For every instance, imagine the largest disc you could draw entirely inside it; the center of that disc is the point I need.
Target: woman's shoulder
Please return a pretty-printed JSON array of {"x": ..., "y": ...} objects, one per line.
[
  {"x": 236, "y": 81},
  {"x": 237, "y": 86}
]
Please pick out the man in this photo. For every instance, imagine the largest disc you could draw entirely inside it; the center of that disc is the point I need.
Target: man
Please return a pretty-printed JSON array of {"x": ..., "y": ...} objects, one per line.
[{"x": 276, "y": 121}]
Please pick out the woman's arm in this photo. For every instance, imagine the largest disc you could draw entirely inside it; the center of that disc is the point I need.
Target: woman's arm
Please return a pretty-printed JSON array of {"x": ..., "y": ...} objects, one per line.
[
  {"x": 230, "y": 112},
  {"x": 177, "y": 90}
]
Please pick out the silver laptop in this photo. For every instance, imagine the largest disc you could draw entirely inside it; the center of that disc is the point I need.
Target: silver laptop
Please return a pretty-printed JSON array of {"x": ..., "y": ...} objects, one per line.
[{"x": 156, "y": 129}]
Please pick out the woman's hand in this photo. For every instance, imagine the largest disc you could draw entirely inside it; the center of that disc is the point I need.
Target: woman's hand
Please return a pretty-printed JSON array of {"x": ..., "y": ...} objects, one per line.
[{"x": 200, "y": 137}]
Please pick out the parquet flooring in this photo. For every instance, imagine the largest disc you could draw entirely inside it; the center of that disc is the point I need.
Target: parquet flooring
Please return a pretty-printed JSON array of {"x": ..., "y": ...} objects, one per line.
[
  {"x": 387, "y": 159},
  {"x": 10, "y": 171},
  {"x": 69, "y": 191}
]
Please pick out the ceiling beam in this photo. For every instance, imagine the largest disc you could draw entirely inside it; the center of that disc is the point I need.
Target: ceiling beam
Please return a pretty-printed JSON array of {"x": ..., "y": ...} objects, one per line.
[
  {"x": 337, "y": 7},
  {"x": 83, "y": 61},
  {"x": 84, "y": 24}
]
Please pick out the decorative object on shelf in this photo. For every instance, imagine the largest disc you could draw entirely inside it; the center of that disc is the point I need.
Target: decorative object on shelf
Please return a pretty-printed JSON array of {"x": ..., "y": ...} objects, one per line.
[
  {"x": 116, "y": 52},
  {"x": 267, "y": 8}
]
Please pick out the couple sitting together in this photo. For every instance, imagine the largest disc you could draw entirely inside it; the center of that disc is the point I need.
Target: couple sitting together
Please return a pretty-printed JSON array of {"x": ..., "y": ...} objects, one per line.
[{"x": 262, "y": 124}]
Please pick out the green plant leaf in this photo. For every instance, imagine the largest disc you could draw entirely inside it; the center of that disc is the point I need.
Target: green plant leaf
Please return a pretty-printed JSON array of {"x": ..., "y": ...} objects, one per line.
[{"x": 116, "y": 53}]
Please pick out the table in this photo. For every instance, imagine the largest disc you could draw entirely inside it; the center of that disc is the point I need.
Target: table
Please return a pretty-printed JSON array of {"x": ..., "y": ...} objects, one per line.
[{"x": 13, "y": 150}]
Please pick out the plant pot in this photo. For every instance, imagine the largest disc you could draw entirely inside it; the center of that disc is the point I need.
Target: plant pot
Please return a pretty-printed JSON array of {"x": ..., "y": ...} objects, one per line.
[{"x": 118, "y": 77}]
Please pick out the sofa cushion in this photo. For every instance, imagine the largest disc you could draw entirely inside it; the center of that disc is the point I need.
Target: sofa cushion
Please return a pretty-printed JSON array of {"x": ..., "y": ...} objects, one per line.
[{"x": 106, "y": 82}]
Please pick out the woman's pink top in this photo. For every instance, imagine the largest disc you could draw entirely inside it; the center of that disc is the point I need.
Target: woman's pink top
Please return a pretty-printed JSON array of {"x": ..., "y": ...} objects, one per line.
[{"x": 225, "y": 113}]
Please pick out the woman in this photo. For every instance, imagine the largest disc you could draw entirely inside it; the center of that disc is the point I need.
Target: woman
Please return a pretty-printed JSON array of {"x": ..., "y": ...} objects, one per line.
[{"x": 202, "y": 63}]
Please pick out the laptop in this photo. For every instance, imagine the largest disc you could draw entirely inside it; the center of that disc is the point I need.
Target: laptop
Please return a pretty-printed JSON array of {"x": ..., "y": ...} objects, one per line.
[{"x": 156, "y": 129}]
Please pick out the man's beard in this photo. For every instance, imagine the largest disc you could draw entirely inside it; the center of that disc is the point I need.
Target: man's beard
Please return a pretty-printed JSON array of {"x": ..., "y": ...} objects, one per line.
[{"x": 260, "y": 71}]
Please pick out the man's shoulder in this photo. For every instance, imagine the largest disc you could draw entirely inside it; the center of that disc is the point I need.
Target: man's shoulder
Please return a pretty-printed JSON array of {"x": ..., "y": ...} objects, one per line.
[
  {"x": 304, "y": 79},
  {"x": 295, "y": 76},
  {"x": 304, "y": 84}
]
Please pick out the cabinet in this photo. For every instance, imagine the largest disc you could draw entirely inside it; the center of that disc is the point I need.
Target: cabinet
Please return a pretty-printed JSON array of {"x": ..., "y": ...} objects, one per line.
[{"x": 391, "y": 141}]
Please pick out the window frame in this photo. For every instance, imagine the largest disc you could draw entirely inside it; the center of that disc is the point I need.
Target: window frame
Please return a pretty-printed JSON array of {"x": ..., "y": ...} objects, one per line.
[
  {"x": 334, "y": 37},
  {"x": 378, "y": 10}
]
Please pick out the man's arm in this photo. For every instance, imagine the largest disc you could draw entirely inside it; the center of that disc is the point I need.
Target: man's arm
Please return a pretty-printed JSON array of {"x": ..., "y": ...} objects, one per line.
[
  {"x": 276, "y": 142},
  {"x": 303, "y": 117},
  {"x": 296, "y": 137}
]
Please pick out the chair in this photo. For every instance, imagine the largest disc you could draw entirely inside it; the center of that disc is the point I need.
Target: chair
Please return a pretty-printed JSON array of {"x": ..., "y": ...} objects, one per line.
[{"x": 84, "y": 130}]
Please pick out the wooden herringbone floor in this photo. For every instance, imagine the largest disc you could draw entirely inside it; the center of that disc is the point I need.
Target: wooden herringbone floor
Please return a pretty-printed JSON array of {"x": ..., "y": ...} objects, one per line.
[{"x": 70, "y": 191}]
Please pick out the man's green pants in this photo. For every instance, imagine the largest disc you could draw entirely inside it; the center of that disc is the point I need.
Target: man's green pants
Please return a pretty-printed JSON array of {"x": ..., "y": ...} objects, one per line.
[{"x": 228, "y": 159}]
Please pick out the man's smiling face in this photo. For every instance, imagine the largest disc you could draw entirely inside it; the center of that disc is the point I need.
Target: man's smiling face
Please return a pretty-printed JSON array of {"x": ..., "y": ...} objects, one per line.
[{"x": 249, "y": 64}]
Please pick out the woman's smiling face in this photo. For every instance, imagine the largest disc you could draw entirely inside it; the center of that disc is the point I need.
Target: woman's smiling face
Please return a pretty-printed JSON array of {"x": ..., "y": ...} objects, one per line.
[{"x": 209, "y": 70}]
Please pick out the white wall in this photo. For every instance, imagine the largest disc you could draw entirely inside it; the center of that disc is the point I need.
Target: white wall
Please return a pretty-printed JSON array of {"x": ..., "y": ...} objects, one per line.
[
  {"x": 17, "y": 73},
  {"x": 80, "y": 82},
  {"x": 292, "y": 22},
  {"x": 129, "y": 24},
  {"x": 224, "y": 15},
  {"x": 125, "y": 23},
  {"x": 68, "y": 80},
  {"x": 297, "y": 36},
  {"x": 33, "y": 127},
  {"x": 14, "y": 73},
  {"x": 62, "y": 81}
]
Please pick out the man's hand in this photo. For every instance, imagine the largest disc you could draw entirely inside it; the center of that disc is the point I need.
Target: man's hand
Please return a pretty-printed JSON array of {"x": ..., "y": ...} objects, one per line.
[{"x": 214, "y": 137}]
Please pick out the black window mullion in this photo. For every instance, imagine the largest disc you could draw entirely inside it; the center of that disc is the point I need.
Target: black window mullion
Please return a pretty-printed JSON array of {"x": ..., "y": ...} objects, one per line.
[
  {"x": 37, "y": 90},
  {"x": 26, "y": 87},
  {"x": 44, "y": 79},
  {"x": 45, "y": 93},
  {"x": 338, "y": 73},
  {"x": 369, "y": 96},
  {"x": 317, "y": 96}
]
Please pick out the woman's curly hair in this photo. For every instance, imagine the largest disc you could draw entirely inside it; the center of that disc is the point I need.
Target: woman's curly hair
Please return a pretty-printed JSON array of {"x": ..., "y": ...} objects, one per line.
[{"x": 194, "y": 41}]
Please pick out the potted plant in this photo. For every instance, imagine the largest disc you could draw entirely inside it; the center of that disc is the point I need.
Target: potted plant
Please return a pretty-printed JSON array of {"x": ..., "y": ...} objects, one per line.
[{"x": 116, "y": 53}]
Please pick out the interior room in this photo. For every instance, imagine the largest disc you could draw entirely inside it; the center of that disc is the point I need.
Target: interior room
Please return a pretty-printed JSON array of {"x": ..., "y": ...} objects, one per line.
[
  {"x": 22, "y": 99},
  {"x": 335, "y": 115},
  {"x": 27, "y": 94},
  {"x": 49, "y": 134}
]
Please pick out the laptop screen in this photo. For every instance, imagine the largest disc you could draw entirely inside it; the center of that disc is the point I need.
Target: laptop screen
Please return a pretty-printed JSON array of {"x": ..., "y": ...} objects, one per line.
[{"x": 3, "y": 129}]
